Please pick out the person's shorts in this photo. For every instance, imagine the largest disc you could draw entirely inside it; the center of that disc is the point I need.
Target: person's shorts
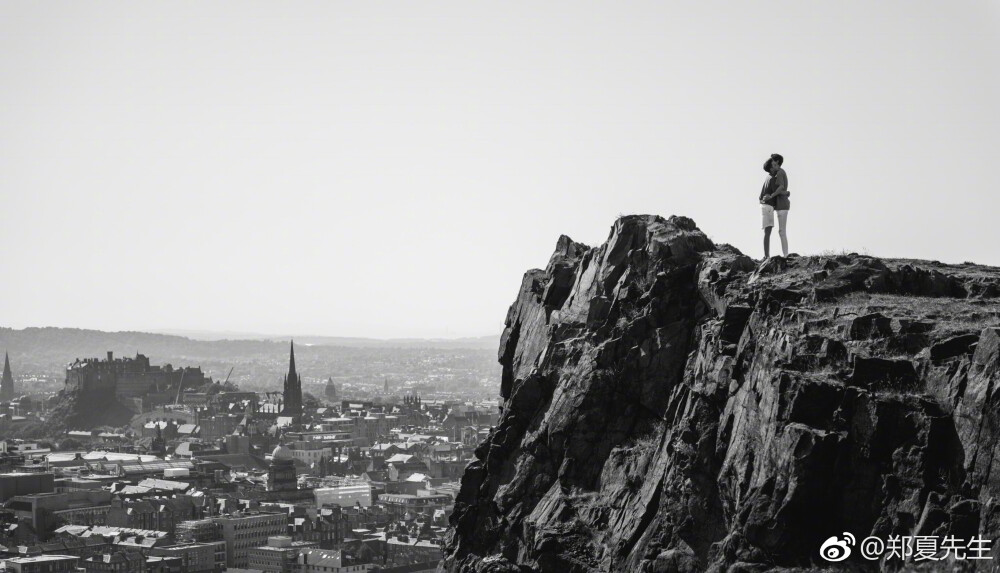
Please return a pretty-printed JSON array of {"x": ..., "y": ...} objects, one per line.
[{"x": 767, "y": 216}]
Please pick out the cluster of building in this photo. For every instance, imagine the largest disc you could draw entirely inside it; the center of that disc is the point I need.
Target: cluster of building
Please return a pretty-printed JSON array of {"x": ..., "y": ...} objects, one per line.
[
  {"x": 238, "y": 481},
  {"x": 132, "y": 379}
]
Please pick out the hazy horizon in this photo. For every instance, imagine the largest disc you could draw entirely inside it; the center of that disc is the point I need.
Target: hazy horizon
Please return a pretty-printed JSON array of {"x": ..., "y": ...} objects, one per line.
[
  {"x": 390, "y": 170},
  {"x": 212, "y": 334},
  {"x": 219, "y": 335}
]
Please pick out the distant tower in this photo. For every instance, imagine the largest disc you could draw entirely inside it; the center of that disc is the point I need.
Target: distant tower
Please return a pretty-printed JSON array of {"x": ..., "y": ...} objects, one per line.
[
  {"x": 7, "y": 384},
  {"x": 159, "y": 445},
  {"x": 385, "y": 390},
  {"x": 331, "y": 390},
  {"x": 293, "y": 387}
]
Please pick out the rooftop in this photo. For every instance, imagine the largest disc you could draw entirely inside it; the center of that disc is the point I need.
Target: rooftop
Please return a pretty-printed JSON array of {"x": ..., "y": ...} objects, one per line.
[{"x": 41, "y": 558}]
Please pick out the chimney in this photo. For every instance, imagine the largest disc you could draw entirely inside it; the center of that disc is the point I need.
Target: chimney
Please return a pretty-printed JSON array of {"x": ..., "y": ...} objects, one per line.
[{"x": 111, "y": 356}]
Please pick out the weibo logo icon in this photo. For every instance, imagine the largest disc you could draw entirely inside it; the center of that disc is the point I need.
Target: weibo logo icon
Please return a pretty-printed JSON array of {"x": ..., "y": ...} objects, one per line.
[{"x": 836, "y": 549}]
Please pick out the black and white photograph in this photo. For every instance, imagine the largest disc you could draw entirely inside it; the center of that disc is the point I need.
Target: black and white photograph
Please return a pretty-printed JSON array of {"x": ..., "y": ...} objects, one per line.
[{"x": 385, "y": 286}]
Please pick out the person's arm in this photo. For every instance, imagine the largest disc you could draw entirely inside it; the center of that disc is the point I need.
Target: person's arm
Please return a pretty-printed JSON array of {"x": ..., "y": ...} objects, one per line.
[{"x": 782, "y": 186}]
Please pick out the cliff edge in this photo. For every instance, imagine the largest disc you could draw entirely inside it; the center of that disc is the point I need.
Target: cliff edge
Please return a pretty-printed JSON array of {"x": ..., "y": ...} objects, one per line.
[{"x": 670, "y": 405}]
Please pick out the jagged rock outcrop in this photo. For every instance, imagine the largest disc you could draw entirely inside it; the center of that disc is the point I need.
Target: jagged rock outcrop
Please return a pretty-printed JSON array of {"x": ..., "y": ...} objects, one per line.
[
  {"x": 670, "y": 405},
  {"x": 75, "y": 410}
]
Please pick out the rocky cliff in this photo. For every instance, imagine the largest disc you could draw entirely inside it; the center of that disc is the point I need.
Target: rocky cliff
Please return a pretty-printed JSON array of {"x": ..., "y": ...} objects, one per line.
[
  {"x": 75, "y": 410},
  {"x": 670, "y": 405}
]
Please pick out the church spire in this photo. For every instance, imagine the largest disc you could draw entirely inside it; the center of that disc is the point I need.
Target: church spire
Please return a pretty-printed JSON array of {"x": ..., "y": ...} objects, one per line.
[
  {"x": 7, "y": 382},
  {"x": 293, "y": 387}
]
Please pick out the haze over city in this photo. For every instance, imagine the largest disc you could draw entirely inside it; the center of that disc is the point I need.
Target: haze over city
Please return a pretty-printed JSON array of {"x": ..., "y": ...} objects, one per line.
[{"x": 391, "y": 170}]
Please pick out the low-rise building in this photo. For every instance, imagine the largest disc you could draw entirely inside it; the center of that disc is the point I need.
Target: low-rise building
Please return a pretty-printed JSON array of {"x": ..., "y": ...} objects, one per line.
[
  {"x": 244, "y": 531},
  {"x": 48, "y": 510},
  {"x": 324, "y": 526},
  {"x": 401, "y": 466},
  {"x": 161, "y": 564},
  {"x": 159, "y": 513},
  {"x": 208, "y": 557},
  {"x": 344, "y": 495},
  {"x": 310, "y": 453},
  {"x": 62, "y": 545},
  {"x": 43, "y": 564},
  {"x": 280, "y": 555},
  {"x": 116, "y": 562},
  {"x": 325, "y": 561},
  {"x": 20, "y": 483},
  {"x": 198, "y": 530},
  {"x": 404, "y": 550},
  {"x": 218, "y": 425},
  {"x": 406, "y": 506}
]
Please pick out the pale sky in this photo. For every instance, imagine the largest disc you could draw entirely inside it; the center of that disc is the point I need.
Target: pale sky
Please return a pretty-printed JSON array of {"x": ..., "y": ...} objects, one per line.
[{"x": 391, "y": 169}]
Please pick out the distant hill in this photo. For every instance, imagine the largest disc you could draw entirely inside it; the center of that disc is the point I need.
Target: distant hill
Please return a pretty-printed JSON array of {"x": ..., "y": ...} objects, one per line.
[
  {"x": 77, "y": 342},
  {"x": 473, "y": 342},
  {"x": 70, "y": 343}
]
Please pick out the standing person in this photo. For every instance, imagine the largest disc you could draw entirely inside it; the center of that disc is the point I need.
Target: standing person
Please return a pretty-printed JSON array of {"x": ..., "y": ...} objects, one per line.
[
  {"x": 774, "y": 199},
  {"x": 767, "y": 210}
]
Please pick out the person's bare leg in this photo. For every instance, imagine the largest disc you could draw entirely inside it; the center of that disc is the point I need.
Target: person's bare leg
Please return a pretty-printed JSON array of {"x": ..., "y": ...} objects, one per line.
[
  {"x": 782, "y": 226},
  {"x": 767, "y": 242}
]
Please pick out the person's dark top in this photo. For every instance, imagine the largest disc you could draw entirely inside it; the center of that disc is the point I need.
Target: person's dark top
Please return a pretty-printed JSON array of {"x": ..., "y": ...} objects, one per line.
[
  {"x": 781, "y": 202},
  {"x": 767, "y": 189}
]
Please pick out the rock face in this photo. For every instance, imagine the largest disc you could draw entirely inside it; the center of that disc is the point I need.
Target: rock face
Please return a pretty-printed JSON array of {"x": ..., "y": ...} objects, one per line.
[
  {"x": 669, "y": 405},
  {"x": 75, "y": 410}
]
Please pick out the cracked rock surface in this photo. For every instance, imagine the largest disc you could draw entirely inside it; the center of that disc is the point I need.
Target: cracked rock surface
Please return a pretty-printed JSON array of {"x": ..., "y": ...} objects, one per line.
[{"x": 670, "y": 405}]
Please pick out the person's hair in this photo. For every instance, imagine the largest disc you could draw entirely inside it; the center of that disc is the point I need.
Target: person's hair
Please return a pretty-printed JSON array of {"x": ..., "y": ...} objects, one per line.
[
  {"x": 778, "y": 158},
  {"x": 767, "y": 166}
]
